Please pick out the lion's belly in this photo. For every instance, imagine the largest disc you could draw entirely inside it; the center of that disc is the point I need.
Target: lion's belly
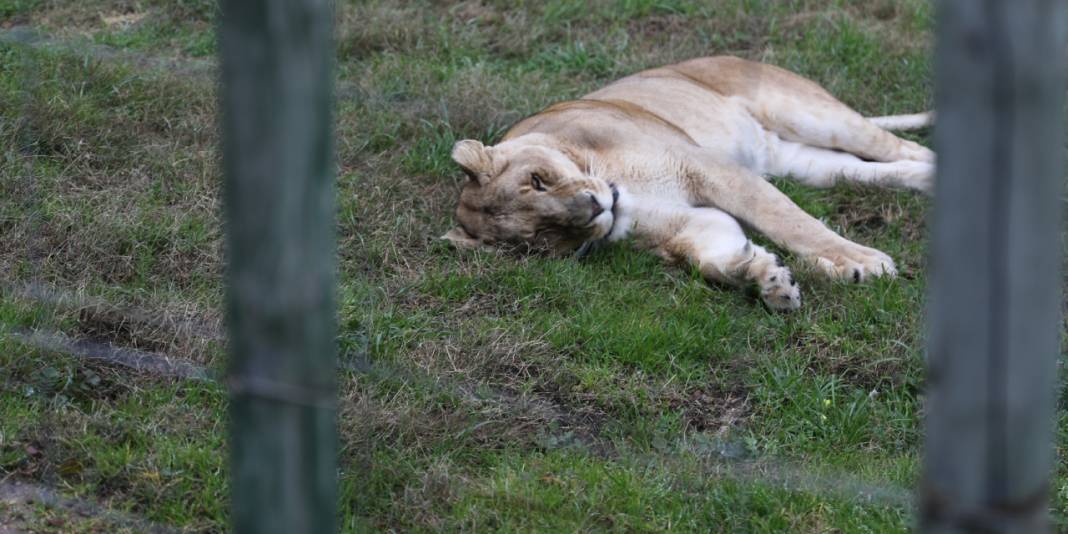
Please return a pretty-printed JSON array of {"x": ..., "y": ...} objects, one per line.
[{"x": 718, "y": 123}]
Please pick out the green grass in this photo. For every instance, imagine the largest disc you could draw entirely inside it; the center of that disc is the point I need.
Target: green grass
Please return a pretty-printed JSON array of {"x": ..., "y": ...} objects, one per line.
[
  {"x": 480, "y": 391},
  {"x": 10, "y": 9}
]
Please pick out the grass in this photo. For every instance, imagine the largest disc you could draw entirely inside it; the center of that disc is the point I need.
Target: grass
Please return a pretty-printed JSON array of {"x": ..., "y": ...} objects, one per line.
[{"x": 480, "y": 391}]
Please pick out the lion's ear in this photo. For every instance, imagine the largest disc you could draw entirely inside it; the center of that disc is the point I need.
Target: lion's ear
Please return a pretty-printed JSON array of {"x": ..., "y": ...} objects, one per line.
[
  {"x": 459, "y": 238},
  {"x": 474, "y": 158}
]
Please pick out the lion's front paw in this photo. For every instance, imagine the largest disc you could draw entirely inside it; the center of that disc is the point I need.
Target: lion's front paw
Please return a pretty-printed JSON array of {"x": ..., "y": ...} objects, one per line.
[
  {"x": 854, "y": 262},
  {"x": 778, "y": 289}
]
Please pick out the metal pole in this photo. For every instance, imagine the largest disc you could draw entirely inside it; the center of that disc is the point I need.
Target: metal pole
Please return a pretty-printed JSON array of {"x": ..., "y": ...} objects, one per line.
[
  {"x": 995, "y": 265},
  {"x": 276, "y": 99}
]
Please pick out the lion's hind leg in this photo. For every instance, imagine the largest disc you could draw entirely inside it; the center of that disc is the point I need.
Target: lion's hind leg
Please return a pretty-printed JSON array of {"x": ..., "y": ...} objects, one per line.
[
  {"x": 817, "y": 119},
  {"x": 800, "y": 110},
  {"x": 820, "y": 167},
  {"x": 716, "y": 244},
  {"x": 829, "y": 124}
]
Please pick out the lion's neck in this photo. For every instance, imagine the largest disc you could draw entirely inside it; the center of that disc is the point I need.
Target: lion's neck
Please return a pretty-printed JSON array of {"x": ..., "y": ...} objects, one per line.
[
  {"x": 641, "y": 215},
  {"x": 648, "y": 218}
]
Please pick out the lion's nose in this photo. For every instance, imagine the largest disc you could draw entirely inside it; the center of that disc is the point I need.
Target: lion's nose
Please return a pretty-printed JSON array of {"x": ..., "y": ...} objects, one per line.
[{"x": 597, "y": 208}]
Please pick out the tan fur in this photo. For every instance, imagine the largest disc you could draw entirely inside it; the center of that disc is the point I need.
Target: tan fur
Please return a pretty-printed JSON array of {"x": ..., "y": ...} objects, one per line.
[{"x": 688, "y": 146}]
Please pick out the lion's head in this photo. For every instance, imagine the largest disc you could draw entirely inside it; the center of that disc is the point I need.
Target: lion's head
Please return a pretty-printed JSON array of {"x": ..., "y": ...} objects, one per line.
[{"x": 529, "y": 194}]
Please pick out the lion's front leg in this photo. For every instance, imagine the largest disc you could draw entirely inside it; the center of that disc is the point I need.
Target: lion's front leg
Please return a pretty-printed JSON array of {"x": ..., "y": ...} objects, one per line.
[
  {"x": 759, "y": 204},
  {"x": 715, "y": 243}
]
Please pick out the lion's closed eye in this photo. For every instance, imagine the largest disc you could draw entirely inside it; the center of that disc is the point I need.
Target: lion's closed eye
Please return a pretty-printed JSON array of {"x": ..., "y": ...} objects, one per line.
[{"x": 537, "y": 182}]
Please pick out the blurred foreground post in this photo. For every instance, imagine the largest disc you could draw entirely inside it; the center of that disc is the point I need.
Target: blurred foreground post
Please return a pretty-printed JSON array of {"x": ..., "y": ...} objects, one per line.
[
  {"x": 276, "y": 58},
  {"x": 995, "y": 292}
]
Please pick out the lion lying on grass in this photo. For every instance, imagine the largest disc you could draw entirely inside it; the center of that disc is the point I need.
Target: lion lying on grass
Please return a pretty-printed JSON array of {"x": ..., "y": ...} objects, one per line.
[{"x": 674, "y": 157}]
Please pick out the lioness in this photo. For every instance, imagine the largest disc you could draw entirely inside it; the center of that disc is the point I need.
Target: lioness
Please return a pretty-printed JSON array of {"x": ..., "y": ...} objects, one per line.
[{"x": 674, "y": 157}]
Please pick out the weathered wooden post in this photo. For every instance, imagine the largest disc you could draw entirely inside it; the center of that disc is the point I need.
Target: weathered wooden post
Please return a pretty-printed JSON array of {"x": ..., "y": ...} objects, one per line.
[
  {"x": 995, "y": 265},
  {"x": 277, "y": 62}
]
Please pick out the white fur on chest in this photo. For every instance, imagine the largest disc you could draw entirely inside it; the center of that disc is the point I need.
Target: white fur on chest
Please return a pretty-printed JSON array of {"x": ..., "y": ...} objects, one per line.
[
  {"x": 624, "y": 216},
  {"x": 643, "y": 214}
]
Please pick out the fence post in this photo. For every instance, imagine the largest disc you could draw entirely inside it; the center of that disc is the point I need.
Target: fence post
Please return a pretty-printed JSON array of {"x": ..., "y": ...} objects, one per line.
[
  {"x": 276, "y": 99},
  {"x": 995, "y": 280}
]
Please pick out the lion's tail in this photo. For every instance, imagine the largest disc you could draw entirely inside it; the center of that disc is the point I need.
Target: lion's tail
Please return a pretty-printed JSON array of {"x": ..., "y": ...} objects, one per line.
[{"x": 914, "y": 121}]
